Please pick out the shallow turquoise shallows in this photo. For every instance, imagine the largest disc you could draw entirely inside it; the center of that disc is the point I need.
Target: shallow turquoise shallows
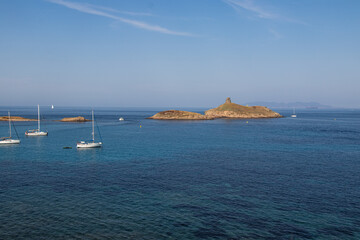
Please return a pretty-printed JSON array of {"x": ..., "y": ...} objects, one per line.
[{"x": 289, "y": 178}]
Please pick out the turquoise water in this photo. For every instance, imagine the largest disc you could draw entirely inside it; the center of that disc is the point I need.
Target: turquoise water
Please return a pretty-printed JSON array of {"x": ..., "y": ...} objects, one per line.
[{"x": 219, "y": 179}]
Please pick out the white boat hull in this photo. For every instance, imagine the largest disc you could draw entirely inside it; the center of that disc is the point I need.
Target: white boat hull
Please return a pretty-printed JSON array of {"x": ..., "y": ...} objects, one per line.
[
  {"x": 36, "y": 133},
  {"x": 9, "y": 141},
  {"x": 89, "y": 145},
  {"x": 293, "y": 116}
]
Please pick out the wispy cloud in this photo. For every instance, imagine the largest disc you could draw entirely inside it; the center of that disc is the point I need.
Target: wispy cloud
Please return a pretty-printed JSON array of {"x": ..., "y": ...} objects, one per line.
[
  {"x": 249, "y": 5},
  {"x": 259, "y": 11},
  {"x": 118, "y": 11},
  {"x": 275, "y": 33},
  {"x": 104, "y": 12}
]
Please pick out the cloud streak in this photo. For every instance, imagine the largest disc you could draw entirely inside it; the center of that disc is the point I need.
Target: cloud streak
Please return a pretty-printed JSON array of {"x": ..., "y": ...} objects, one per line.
[
  {"x": 258, "y": 11},
  {"x": 275, "y": 34},
  {"x": 101, "y": 11},
  {"x": 117, "y": 11},
  {"x": 250, "y": 6}
]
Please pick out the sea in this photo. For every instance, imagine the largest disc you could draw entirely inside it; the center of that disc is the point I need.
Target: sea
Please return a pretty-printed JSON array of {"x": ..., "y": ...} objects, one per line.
[{"x": 286, "y": 178}]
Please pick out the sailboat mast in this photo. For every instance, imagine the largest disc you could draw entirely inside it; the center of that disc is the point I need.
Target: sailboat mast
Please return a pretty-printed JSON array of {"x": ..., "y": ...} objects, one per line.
[
  {"x": 93, "y": 132},
  {"x": 38, "y": 117},
  {"x": 9, "y": 124}
]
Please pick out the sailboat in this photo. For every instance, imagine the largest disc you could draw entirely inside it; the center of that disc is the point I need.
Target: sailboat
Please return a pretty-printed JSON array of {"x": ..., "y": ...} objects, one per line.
[
  {"x": 294, "y": 114},
  {"x": 36, "y": 132},
  {"x": 92, "y": 143},
  {"x": 9, "y": 140}
]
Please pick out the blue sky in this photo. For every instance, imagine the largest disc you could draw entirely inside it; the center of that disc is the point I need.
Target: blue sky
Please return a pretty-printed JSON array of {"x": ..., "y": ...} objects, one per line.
[{"x": 179, "y": 53}]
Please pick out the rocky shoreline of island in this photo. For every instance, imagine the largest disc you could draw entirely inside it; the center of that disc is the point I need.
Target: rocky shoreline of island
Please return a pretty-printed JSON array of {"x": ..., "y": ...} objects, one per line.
[
  {"x": 16, "y": 119},
  {"x": 75, "y": 119},
  {"x": 22, "y": 119},
  {"x": 179, "y": 115},
  {"x": 226, "y": 110}
]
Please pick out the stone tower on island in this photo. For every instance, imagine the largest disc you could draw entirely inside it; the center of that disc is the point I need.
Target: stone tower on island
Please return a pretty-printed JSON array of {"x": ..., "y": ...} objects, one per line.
[{"x": 228, "y": 100}]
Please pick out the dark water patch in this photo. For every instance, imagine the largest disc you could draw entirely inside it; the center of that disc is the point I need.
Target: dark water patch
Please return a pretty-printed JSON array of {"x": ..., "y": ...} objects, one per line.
[
  {"x": 211, "y": 232},
  {"x": 340, "y": 232},
  {"x": 284, "y": 230},
  {"x": 190, "y": 207}
]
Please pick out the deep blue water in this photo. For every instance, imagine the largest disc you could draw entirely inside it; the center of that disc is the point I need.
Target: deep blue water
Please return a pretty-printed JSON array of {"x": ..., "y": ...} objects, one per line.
[{"x": 218, "y": 179}]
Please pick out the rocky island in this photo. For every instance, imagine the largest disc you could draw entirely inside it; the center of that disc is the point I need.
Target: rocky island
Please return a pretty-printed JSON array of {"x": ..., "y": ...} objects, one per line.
[
  {"x": 233, "y": 110},
  {"x": 226, "y": 110},
  {"x": 179, "y": 115},
  {"x": 75, "y": 119},
  {"x": 16, "y": 119}
]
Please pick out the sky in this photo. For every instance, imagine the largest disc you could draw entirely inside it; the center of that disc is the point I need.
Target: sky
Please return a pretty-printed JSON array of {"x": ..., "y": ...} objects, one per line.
[{"x": 179, "y": 53}]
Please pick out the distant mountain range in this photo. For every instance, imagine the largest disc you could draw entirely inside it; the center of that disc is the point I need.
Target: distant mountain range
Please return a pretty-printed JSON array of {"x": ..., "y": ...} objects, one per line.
[{"x": 310, "y": 105}]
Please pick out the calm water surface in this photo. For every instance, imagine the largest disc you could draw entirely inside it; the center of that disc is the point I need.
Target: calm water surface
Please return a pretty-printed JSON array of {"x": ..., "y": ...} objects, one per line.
[{"x": 219, "y": 179}]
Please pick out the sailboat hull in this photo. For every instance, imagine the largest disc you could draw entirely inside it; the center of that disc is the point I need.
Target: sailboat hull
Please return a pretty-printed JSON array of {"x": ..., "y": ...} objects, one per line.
[
  {"x": 9, "y": 141},
  {"x": 89, "y": 145},
  {"x": 31, "y": 134}
]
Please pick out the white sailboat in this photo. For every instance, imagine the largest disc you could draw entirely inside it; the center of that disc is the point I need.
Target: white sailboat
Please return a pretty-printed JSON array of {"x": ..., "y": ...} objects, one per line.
[
  {"x": 294, "y": 114},
  {"x": 36, "y": 132},
  {"x": 9, "y": 140},
  {"x": 92, "y": 143}
]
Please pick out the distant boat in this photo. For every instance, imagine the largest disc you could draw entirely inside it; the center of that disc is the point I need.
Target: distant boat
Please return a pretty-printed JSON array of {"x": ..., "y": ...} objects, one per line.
[
  {"x": 9, "y": 140},
  {"x": 92, "y": 143},
  {"x": 52, "y": 106},
  {"x": 36, "y": 132},
  {"x": 121, "y": 119},
  {"x": 294, "y": 114}
]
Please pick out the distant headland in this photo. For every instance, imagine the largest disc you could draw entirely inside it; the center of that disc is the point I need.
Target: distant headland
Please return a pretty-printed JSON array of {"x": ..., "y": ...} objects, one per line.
[
  {"x": 226, "y": 110},
  {"x": 306, "y": 105}
]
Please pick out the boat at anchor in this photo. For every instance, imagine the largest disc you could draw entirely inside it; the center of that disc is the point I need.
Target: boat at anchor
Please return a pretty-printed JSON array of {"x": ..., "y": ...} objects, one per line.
[
  {"x": 36, "y": 132},
  {"x": 91, "y": 143},
  {"x": 9, "y": 140}
]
